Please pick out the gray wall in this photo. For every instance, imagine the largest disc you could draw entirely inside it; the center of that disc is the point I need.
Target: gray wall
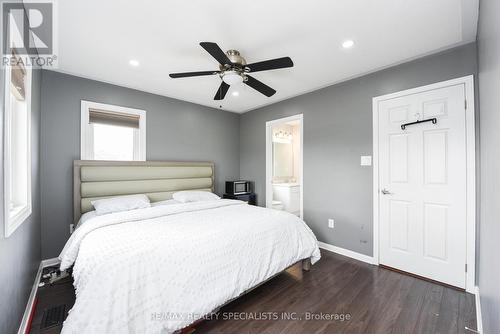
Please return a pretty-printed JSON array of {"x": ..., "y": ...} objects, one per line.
[
  {"x": 176, "y": 131},
  {"x": 20, "y": 252},
  {"x": 337, "y": 131},
  {"x": 489, "y": 98}
]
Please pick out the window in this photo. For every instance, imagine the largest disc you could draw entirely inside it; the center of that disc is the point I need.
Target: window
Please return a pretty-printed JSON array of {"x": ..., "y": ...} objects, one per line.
[
  {"x": 111, "y": 132},
  {"x": 17, "y": 146}
]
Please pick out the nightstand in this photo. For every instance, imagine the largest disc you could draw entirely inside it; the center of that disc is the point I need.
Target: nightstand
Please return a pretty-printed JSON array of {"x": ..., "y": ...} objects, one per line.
[{"x": 250, "y": 198}]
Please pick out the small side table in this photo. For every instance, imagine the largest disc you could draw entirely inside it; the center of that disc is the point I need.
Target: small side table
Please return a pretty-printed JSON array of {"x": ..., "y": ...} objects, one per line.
[{"x": 250, "y": 198}]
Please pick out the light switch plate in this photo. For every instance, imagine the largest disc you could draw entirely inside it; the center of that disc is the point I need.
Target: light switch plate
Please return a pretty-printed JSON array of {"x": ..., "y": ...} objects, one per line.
[{"x": 366, "y": 160}]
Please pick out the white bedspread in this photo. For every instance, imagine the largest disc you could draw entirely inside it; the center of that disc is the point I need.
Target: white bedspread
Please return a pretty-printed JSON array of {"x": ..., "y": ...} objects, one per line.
[{"x": 158, "y": 269}]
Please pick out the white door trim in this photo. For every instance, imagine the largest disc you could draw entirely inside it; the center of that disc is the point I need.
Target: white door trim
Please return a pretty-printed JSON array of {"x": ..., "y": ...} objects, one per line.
[
  {"x": 269, "y": 159},
  {"x": 468, "y": 81}
]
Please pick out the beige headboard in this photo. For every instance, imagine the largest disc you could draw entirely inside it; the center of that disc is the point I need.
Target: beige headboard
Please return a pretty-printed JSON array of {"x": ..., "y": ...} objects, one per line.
[{"x": 157, "y": 179}]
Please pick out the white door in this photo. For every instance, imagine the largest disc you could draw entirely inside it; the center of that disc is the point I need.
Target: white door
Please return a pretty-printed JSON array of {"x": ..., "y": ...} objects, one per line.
[{"x": 422, "y": 180}]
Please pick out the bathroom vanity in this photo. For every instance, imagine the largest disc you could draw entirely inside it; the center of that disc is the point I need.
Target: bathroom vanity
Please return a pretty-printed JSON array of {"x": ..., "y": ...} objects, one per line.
[{"x": 289, "y": 196}]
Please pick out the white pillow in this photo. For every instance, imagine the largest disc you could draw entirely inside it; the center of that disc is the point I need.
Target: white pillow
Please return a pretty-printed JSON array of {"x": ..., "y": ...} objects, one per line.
[
  {"x": 121, "y": 203},
  {"x": 194, "y": 196},
  {"x": 165, "y": 202}
]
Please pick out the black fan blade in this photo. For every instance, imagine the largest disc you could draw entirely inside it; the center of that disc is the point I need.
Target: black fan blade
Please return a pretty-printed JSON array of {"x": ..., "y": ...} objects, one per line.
[
  {"x": 221, "y": 92},
  {"x": 259, "y": 86},
  {"x": 272, "y": 64},
  {"x": 191, "y": 74},
  {"x": 216, "y": 52}
]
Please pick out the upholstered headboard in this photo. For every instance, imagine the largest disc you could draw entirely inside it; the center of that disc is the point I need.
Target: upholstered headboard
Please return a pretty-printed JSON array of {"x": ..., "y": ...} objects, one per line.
[{"x": 157, "y": 179}]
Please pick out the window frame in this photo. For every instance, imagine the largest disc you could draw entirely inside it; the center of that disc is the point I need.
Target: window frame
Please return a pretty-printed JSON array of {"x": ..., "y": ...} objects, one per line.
[
  {"x": 87, "y": 129},
  {"x": 12, "y": 223}
]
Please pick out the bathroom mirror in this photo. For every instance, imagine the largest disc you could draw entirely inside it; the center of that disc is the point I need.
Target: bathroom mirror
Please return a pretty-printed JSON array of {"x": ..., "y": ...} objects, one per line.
[{"x": 282, "y": 160}]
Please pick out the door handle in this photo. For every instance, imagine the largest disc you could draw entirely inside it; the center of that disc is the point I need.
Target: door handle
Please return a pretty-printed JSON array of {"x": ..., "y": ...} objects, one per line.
[{"x": 385, "y": 192}]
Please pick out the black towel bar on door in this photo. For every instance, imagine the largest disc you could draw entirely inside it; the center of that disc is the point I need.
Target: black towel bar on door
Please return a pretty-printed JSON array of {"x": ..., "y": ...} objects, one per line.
[{"x": 433, "y": 120}]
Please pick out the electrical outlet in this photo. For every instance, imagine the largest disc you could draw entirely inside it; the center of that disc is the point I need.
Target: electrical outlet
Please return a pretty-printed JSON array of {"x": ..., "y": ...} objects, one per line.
[{"x": 331, "y": 223}]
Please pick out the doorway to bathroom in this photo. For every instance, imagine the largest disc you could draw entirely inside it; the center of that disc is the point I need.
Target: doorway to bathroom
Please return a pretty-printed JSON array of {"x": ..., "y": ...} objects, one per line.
[{"x": 284, "y": 164}]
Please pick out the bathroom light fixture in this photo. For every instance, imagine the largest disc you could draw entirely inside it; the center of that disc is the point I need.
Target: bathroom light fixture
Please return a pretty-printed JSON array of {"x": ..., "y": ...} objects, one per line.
[
  {"x": 283, "y": 136},
  {"x": 133, "y": 62},
  {"x": 347, "y": 44}
]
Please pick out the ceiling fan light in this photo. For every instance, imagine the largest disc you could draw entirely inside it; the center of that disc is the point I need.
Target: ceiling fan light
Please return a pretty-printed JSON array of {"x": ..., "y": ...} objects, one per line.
[{"x": 232, "y": 78}]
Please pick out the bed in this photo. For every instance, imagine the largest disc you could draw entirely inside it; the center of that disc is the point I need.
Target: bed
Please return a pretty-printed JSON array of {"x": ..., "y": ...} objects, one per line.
[{"x": 163, "y": 268}]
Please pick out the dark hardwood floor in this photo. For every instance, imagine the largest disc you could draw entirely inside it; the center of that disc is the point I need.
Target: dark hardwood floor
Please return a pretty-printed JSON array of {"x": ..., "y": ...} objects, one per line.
[
  {"x": 49, "y": 296},
  {"x": 365, "y": 299}
]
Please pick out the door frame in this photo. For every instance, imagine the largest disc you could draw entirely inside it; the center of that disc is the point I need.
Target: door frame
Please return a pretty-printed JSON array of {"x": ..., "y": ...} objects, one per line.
[
  {"x": 269, "y": 159},
  {"x": 468, "y": 82}
]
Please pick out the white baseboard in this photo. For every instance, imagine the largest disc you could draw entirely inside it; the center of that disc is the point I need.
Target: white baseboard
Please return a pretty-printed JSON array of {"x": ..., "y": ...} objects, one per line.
[
  {"x": 346, "y": 252},
  {"x": 479, "y": 317},
  {"x": 31, "y": 301},
  {"x": 50, "y": 262}
]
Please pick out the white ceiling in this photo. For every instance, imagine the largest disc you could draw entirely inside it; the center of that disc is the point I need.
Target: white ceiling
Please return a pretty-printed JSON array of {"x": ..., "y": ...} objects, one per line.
[{"x": 98, "y": 38}]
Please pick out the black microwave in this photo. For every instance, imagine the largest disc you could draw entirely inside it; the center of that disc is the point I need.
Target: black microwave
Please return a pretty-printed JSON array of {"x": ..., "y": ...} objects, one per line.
[{"x": 238, "y": 187}]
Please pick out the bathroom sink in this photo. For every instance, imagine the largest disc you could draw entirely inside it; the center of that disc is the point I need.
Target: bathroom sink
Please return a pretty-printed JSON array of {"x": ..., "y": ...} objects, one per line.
[{"x": 284, "y": 184}]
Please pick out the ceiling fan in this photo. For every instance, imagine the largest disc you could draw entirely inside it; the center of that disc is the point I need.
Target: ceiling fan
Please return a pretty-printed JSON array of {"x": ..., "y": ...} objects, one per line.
[{"x": 233, "y": 69}]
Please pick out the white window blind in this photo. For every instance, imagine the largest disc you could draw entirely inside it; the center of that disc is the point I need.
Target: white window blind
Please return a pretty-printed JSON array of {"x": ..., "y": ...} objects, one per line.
[
  {"x": 114, "y": 118},
  {"x": 17, "y": 80}
]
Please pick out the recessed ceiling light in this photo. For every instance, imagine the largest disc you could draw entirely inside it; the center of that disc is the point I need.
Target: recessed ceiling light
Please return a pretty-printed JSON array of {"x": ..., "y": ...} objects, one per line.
[
  {"x": 348, "y": 44},
  {"x": 236, "y": 93},
  {"x": 134, "y": 62}
]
